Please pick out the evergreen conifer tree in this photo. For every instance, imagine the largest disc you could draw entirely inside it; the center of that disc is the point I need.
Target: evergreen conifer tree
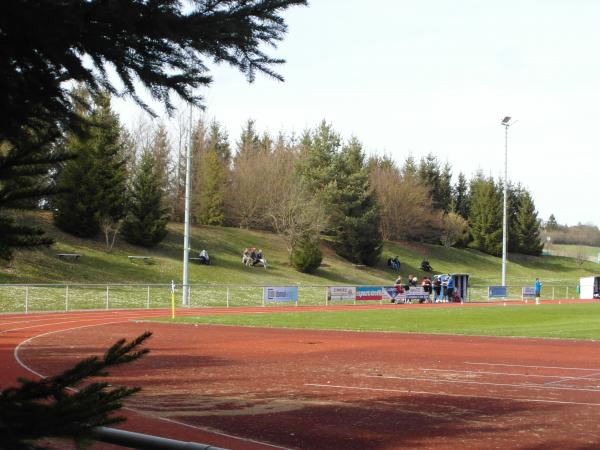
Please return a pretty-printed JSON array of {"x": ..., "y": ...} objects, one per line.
[
  {"x": 513, "y": 194},
  {"x": 163, "y": 44},
  {"x": 528, "y": 227},
  {"x": 210, "y": 200},
  {"x": 552, "y": 224},
  {"x": 430, "y": 175},
  {"x": 212, "y": 177},
  {"x": 445, "y": 194},
  {"x": 355, "y": 223},
  {"x": 146, "y": 221},
  {"x": 94, "y": 183},
  {"x": 460, "y": 197},
  {"x": 161, "y": 151},
  {"x": 165, "y": 168},
  {"x": 409, "y": 168},
  {"x": 338, "y": 176},
  {"x": 219, "y": 140},
  {"x": 318, "y": 149},
  {"x": 485, "y": 215},
  {"x": 25, "y": 179}
]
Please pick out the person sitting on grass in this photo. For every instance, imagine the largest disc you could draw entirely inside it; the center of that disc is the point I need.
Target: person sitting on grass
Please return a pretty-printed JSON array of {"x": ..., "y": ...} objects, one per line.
[
  {"x": 394, "y": 263},
  {"x": 204, "y": 258},
  {"x": 257, "y": 257},
  {"x": 425, "y": 266}
]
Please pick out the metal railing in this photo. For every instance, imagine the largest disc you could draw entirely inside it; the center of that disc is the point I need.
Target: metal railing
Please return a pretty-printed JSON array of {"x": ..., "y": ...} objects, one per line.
[
  {"x": 142, "y": 441},
  {"x": 76, "y": 296}
]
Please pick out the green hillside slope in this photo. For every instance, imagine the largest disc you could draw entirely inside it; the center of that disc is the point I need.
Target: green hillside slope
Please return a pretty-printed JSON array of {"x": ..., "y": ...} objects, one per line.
[
  {"x": 225, "y": 246},
  {"x": 574, "y": 251}
]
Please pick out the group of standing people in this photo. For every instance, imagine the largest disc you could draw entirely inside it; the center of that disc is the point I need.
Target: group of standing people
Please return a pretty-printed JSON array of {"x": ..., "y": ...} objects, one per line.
[
  {"x": 444, "y": 289},
  {"x": 441, "y": 286}
]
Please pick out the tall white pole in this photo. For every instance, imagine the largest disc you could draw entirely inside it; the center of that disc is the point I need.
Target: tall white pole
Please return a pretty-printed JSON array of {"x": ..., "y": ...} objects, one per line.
[
  {"x": 186, "y": 228},
  {"x": 504, "y": 219}
]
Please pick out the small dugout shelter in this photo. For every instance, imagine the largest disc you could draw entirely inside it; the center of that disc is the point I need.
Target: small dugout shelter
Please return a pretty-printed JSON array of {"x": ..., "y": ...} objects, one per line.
[
  {"x": 589, "y": 287},
  {"x": 461, "y": 285}
]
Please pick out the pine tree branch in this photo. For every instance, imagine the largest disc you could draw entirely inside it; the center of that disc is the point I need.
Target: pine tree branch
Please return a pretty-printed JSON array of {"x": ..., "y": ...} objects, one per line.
[{"x": 45, "y": 408}]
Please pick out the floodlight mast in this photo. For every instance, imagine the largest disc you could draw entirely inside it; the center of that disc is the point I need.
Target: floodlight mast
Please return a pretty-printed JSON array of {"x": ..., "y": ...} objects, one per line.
[
  {"x": 505, "y": 123},
  {"x": 186, "y": 228}
]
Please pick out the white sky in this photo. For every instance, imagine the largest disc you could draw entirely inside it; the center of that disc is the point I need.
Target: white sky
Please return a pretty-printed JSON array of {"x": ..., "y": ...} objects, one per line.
[{"x": 413, "y": 77}]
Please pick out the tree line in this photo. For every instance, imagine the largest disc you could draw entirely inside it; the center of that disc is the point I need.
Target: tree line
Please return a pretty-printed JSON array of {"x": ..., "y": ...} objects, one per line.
[
  {"x": 580, "y": 234},
  {"x": 312, "y": 188}
]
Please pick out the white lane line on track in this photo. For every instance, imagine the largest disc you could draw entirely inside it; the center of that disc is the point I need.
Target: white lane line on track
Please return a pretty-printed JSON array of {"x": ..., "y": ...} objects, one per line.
[
  {"x": 46, "y": 324},
  {"x": 585, "y": 377},
  {"x": 48, "y": 318},
  {"x": 530, "y": 367},
  {"x": 446, "y": 394},
  {"x": 485, "y": 383},
  {"x": 18, "y": 347},
  {"x": 203, "y": 429},
  {"x": 476, "y": 372},
  {"x": 61, "y": 323},
  {"x": 206, "y": 430},
  {"x": 132, "y": 315}
]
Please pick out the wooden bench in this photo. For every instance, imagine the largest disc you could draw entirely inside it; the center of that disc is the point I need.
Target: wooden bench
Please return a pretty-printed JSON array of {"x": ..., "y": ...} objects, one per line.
[
  {"x": 74, "y": 256},
  {"x": 359, "y": 266},
  {"x": 146, "y": 259},
  {"x": 198, "y": 260}
]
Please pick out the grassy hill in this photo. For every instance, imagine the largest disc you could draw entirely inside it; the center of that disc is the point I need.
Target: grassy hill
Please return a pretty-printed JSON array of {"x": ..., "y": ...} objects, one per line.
[
  {"x": 574, "y": 251},
  {"x": 225, "y": 247}
]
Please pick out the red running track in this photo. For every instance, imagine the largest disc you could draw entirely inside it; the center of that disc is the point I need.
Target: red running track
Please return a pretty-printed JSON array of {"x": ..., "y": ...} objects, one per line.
[{"x": 262, "y": 388}]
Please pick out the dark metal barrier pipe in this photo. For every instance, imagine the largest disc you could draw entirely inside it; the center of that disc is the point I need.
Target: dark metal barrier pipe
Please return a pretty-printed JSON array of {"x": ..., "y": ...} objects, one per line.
[{"x": 142, "y": 441}]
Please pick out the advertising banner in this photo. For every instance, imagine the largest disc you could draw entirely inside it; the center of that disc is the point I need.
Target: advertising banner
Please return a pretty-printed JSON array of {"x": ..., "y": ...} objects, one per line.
[
  {"x": 341, "y": 293},
  {"x": 280, "y": 294},
  {"x": 369, "y": 293},
  {"x": 497, "y": 291},
  {"x": 528, "y": 292},
  {"x": 416, "y": 293},
  {"x": 391, "y": 292}
]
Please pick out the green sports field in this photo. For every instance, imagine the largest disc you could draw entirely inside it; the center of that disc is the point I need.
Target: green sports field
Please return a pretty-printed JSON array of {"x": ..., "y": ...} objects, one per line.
[{"x": 572, "y": 321}]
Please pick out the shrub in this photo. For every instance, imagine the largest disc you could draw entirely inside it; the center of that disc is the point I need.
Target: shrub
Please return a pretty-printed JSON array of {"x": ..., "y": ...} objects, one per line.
[{"x": 306, "y": 256}]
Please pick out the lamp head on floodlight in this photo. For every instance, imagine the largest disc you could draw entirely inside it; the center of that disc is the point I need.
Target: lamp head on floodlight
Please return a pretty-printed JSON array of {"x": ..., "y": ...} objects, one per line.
[{"x": 506, "y": 120}]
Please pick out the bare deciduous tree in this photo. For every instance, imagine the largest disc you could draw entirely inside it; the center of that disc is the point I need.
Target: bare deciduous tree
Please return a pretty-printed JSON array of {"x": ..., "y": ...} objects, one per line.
[
  {"x": 456, "y": 229},
  {"x": 265, "y": 194},
  {"x": 406, "y": 205},
  {"x": 245, "y": 200}
]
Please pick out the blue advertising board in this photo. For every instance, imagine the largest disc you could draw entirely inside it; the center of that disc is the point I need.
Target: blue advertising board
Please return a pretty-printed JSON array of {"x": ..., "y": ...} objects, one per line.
[
  {"x": 528, "y": 292},
  {"x": 280, "y": 294},
  {"x": 497, "y": 291}
]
